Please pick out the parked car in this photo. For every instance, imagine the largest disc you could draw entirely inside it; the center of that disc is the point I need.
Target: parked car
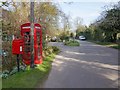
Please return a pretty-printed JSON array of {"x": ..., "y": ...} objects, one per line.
[
  {"x": 82, "y": 38},
  {"x": 54, "y": 39}
]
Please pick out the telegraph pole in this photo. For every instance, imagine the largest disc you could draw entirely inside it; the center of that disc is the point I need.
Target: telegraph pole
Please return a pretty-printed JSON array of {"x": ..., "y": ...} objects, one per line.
[{"x": 32, "y": 32}]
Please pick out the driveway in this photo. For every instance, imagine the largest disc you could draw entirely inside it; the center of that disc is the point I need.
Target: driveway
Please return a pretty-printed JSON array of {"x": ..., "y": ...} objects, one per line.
[{"x": 86, "y": 66}]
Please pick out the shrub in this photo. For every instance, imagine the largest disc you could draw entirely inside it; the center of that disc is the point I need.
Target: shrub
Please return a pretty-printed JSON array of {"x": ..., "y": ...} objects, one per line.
[
  {"x": 8, "y": 61},
  {"x": 55, "y": 49},
  {"x": 64, "y": 38},
  {"x": 50, "y": 50},
  {"x": 72, "y": 43}
]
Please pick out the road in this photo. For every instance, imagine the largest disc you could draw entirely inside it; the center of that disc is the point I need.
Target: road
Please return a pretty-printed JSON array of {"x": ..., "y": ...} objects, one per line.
[{"x": 86, "y": 66}]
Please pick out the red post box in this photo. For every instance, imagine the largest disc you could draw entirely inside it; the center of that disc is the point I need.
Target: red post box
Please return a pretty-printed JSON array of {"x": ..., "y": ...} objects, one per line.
[{"x": 17, "y": 46}]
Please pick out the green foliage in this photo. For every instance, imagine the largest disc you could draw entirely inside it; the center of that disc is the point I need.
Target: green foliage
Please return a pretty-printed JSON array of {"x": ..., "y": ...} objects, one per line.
[
  {"x": 46, "y": 13},
  {"x": 80, "y": 30},
  {"x": 30, "y": 77},
  {"x": 5, "y": 74},
  {"x": 63, "y": 37},
  {"x": 72, "y": 43},
  {"x": 106, "y": 28},
  {"x": 55, "y": 49},
  {"x": 116, "y": 46},
  {"x": 108, "y": 44},
  {"x": 110, "y": 23},
  {"x": 71, "y": 35},
  {"x": 49, "y": 50},
  {"x": 9, "y": 61}
]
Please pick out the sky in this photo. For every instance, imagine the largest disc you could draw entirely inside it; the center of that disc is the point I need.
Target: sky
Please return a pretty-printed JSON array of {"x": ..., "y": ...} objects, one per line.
[{"x": 88, "y": 11}]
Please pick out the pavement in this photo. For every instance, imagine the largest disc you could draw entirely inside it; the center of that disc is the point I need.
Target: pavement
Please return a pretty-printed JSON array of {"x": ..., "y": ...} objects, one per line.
[{"x": 86, "y": 66}]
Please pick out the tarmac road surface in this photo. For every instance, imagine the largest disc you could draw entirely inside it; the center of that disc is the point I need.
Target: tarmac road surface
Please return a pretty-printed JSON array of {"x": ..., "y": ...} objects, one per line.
[{"x": 86, "y": 66}]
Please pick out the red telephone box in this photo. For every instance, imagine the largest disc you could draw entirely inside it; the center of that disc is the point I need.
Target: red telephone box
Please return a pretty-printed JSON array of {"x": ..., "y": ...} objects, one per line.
[{"x": 25, "y": 33}]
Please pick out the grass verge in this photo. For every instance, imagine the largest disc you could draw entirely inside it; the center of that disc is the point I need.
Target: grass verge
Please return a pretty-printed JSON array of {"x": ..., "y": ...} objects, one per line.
[
  {"x": 72, "y": 43},
  {"x": 108, "y": 44},
  {"x": 31, "y": 77}
]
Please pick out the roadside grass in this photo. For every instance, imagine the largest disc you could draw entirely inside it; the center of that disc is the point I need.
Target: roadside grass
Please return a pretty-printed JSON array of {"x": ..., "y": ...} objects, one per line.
[
  {"x": 108, "y": 44},
  {"x": 116, "y": 46},
  {"x": 72, "y": 43},
  {"x": 30, "y": 77}
]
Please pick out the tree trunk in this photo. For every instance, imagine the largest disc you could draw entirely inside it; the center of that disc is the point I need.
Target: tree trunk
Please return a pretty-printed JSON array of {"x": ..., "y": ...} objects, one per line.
[{"x": 114, "y": 37}]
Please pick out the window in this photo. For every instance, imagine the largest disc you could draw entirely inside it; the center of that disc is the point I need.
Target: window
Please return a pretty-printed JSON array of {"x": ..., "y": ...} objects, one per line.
[
  {"x": 27, "y": 42},
  {"x": 38, "y": 42}
]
